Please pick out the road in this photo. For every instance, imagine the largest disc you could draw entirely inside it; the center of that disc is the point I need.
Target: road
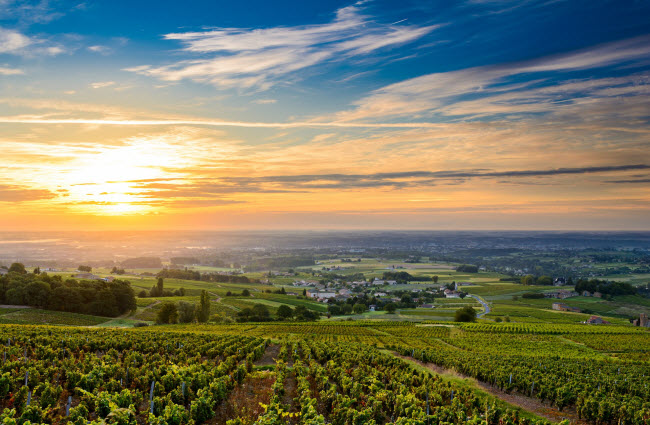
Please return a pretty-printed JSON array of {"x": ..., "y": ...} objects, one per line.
[{"x": 486, "y": 307}]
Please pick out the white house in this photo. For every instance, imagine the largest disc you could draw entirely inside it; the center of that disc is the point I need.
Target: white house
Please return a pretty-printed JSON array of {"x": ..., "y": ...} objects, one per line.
[
  {"x": 451, "y": 294},
  {"x": 321, "y": 294}
]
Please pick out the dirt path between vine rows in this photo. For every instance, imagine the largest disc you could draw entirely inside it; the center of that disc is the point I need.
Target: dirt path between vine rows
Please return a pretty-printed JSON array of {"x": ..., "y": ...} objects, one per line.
[
  {"x": 530, "y": 404},
  {"x": 270, "y": 354}
]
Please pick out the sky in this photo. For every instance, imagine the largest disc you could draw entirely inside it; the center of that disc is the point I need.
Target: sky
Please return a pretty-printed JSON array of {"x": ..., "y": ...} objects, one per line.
[{"x": 452, "y": 115}]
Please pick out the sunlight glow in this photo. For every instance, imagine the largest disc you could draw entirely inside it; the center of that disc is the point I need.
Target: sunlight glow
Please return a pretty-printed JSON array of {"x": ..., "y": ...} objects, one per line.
[{"x": 102, "y": 182}]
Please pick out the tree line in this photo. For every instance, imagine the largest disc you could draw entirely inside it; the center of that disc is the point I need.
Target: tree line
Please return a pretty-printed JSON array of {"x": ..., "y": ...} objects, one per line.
[
  {"x": 186, "y": 274},
  {"x": 96, "y": 297},
  {"x": 605, "y": 287}
]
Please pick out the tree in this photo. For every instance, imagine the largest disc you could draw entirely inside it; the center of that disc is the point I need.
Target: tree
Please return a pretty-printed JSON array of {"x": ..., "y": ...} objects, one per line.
[
  {"x": 104, "y": 304},
  {"x": 37, "y": 293},
  {"x": 167, "y": 314},
  {"x": 334, "y": 310},
  {"x": 245, "y": 314},
  {"x": 18, "y": 268},
  {"x": 346, "y": 309},
  {"x": 203, "y": 312},
  {"x": 390, "y": 308},
  {"x": 544, "y": 280},
  {"x": 435, "y": 279},
  {"x": 529, "y": 279},
  {"x": 465, "y": 314},
  {"x": 246, "y": 293},
  {"x": 186, "y": 312},
  {"x": 302, "y": 313},
  {"x": 359, "y": 308},
  {"x": 159, "y": 286},
  {"x": 467, "y": 268},
  {"x": 116, "y": 270},
  {"x": 86, "y": 269},
  {"x": 261, "y": 312},
  {"x": 304, "y": 292},
  {"x": 285, "y": 312}
]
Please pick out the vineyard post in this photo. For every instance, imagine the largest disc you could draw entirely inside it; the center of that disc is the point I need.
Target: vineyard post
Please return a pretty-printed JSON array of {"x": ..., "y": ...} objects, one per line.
[
  {"x": 29, "y": 397},
  {"x": 67, "y": 406},
  {"x": 510, "y": 383},
  {"x": 183, "y": 389},
  {"x": 26, "y": 377},
  {"x": 532, "y": 388},
  {"x": 151, "y": 396}
]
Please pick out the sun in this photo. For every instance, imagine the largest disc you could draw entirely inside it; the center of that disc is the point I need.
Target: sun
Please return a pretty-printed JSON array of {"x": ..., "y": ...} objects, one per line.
[{"x": 106, "y": 181}]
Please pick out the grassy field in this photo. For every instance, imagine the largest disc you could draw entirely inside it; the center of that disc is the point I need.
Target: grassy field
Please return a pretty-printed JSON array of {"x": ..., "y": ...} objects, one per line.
[{"x": 36, "y": 316}]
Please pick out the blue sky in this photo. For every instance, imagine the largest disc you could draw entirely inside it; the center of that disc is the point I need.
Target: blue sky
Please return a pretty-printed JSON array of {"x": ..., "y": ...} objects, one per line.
[{"x": 355, "y": 89}]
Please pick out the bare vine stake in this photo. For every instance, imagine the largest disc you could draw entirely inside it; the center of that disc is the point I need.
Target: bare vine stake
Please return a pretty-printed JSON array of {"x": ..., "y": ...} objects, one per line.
[
  {"x": 151, "y": 396},
  {"x": 29, "y": 397},
  {"x": 26, "y": 377},
  {"x": 67, "y": 406}
]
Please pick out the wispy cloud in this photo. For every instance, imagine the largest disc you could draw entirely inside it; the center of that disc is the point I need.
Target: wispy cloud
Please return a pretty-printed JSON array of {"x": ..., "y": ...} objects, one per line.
[
  {"x": 16, "y": 193},
  {"x": 10, "y": 71},
  {"x": 13, "y": 41},
  {"x": 259, "y": 58},
  {"x": 525, "y": 87},
  {"x": 16, "y": 43},
  {"x": 205, "y": 187},
  {"x": 39, "y": 11},
  {"x": 102, "y": 84},
  {"x": 104, "y": 50},
  {"x": 264, "y": 101},
  {"x": 209, "y": 123}
]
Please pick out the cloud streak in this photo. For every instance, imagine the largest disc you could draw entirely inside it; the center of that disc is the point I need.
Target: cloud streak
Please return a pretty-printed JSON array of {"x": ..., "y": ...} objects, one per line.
[
  {"x": 16, "y": 193},
  {"x": 202, "y": 187},
  {"x": 498, "y": 89},
  {"x": 260, "y": 58},
  {"x": 212, "y": 123}
]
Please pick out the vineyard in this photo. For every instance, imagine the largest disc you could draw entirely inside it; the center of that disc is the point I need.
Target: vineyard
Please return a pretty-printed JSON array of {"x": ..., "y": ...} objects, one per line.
[{"x": 337, "y": 372}]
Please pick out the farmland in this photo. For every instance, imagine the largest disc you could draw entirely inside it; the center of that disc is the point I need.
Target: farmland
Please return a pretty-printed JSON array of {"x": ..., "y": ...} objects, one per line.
[
  {"x": 345, "y": 340},
  {"x": 338, "y": 372}
]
